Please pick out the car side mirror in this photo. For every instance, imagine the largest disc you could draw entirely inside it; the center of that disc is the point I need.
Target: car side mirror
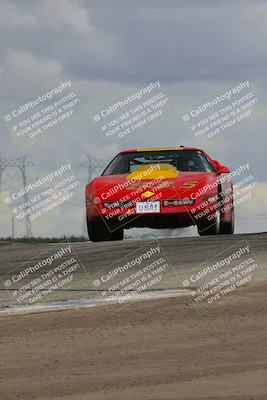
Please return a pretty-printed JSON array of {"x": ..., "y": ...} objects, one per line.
[{"x": 221, "y": 169}]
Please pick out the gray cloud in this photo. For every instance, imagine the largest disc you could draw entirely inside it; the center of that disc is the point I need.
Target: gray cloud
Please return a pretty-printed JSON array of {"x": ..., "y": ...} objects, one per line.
[{"x": 106, "y": 47}]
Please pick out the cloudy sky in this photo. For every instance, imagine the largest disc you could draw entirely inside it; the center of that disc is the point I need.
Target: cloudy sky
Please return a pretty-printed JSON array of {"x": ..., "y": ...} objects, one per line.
[{"x": 107, "y": 48}]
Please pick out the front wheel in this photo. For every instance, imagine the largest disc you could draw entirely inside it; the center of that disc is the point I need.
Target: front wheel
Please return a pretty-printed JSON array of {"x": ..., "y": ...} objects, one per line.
[
  {"x": 206, "y": 227},
  {"x": 227, "y": 228},
  {"x": 99, "y": 232}
]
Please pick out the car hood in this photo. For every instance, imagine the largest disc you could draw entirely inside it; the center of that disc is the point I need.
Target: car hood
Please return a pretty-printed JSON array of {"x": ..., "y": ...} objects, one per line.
[{"x": 146, "y": 182}]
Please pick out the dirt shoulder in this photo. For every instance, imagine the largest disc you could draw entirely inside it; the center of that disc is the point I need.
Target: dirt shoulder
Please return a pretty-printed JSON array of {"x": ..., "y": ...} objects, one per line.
[{"x": 149, "y": 350}]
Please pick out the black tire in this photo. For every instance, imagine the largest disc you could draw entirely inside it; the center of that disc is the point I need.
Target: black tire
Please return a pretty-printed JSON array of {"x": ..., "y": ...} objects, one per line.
[
  {"x": 227, "y": 228},
  {"x": 206, "y": 227},
  {"x": 99, "y": 232}
]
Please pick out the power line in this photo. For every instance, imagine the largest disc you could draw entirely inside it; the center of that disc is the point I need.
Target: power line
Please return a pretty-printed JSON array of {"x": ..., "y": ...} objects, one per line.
[{"x": 21, "y": 164}]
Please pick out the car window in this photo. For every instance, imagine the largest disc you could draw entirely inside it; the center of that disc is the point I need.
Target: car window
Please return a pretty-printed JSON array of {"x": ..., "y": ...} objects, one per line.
[{"x": 182, "y": 160}]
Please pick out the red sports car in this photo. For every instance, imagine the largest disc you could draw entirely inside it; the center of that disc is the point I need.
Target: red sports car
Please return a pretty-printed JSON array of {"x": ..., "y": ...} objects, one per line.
[{"x": 171, "y": 187}]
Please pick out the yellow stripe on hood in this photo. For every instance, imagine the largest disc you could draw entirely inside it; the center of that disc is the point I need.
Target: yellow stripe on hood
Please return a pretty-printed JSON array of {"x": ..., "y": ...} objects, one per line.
[{"x": 154, "y": 171}]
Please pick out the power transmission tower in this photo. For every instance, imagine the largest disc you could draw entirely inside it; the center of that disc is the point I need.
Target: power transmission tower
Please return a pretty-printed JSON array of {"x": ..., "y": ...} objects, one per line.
[
  {"x": 21, "y": 164},
  {"x": 92, "y": 164}
]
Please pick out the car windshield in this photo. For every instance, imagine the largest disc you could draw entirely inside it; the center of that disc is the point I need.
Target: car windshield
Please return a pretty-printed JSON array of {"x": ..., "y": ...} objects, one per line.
[{"x": 182, "y": 160}]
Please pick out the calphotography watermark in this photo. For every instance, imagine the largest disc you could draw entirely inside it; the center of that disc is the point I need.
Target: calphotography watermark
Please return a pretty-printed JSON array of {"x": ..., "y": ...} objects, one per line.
[
  {"x": 44, "y": 195},
  {"x": 34, "y": 117},
  {"x": 221, "y": 277},
  {"x": 45, "y": 278},
  {"x": 222, "y": 112},
  {"x": 223, "y": 195},
  {"x": 146, "y": 269},
  {"x": 140, "y": 192},
  {"x": 133, "y": 111}
]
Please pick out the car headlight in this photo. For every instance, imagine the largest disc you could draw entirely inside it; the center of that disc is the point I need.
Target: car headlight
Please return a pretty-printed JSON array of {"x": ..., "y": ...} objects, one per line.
[{"x": 180, "y": 202}]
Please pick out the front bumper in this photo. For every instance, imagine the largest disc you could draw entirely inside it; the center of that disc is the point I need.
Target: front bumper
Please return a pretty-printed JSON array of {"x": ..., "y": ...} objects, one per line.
[{"x": 168, "y": 217}]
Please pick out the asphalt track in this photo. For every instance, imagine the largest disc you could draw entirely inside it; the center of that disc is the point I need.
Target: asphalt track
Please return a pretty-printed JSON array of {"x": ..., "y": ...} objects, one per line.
[
  {"x": 144, "y": 350},
  {"x": 184, "y": 254}
]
